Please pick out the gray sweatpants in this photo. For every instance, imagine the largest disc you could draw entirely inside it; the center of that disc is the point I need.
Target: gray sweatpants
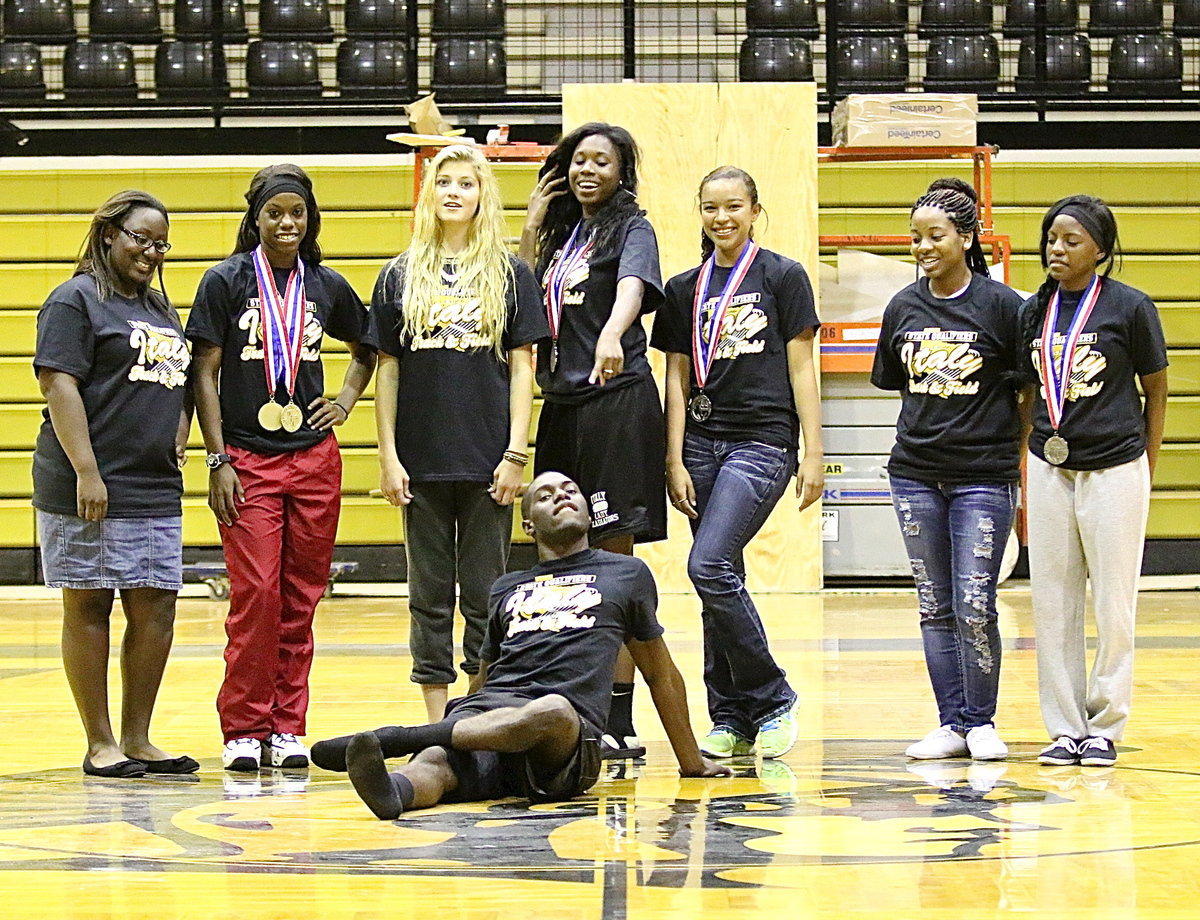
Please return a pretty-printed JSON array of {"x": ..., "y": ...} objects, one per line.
[
  {"x": 453, "y": 533},
  {"x": 1086, "y": 525}
]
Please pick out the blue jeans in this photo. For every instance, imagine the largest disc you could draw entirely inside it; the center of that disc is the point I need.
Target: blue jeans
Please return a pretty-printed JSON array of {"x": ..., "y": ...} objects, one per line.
[
  {"x": 955, "y": 535},
  {"x": 737, "y": 484}
]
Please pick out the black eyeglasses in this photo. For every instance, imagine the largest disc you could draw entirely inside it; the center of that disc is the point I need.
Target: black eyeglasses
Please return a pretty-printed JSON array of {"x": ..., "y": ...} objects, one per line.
[{"x": 144, "y": 242}]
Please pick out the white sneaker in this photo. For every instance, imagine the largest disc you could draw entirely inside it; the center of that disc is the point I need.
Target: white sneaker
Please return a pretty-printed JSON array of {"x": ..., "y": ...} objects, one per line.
[
  {"x": 985, "y": 744},
  {"x": 939, "y": 743},
  {"x": 242, "y": 755},
  {"x": 287, "y": 751}
]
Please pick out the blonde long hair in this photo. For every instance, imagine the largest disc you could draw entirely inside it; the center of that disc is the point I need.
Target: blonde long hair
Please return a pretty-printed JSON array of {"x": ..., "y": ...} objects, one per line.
[{"x": 484, "y": 266}]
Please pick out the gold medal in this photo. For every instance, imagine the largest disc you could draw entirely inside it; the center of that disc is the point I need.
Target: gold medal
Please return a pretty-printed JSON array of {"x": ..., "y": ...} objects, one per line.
[
  {"x": 270, "y": 416},
  {"x": 291, "y": 417}
]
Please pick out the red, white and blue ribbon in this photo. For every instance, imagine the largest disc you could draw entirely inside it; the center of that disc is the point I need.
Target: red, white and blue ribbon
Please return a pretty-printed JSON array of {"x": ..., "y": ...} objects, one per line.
[
  {"x": 704, "y": 347},
  {"x": 282, "y": 323},
  {"x": 560, "y": 270},
  {"x": 1056, "y": 375}
]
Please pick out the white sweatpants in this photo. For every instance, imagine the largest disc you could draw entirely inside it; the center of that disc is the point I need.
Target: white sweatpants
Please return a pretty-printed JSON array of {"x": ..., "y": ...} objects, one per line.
[{"x": 1085, "y": 525}]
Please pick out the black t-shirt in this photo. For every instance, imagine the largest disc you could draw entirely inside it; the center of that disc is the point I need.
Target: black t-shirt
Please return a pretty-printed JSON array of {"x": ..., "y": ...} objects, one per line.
[
  {"x": 589, "y": 297},
  {"x": 226, "y": 312},
  {"x": 557, "y": 628},
  {"x": 1102, "y": 419},
  {"x": 131, "y": 361},
  {"x": 452, "y": 402},
  {"x": 955, "y": 362},
  {"x": 748, "y": 384}
]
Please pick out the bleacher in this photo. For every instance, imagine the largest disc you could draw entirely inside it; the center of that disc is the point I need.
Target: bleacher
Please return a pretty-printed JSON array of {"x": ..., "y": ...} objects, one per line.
[
  {"x": 145, "y": 53},
  {"x": 366, "y": 207}
]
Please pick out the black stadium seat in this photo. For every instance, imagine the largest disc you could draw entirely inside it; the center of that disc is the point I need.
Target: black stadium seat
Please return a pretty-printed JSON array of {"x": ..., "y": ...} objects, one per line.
[
  {"x": 283, "y": 69},
  {"x": 194, "y": 20},
  {"x": 469, "y": 68},
  {"x": 871, "y": 64},
  {"x": 888, "y": 16},
  {"x": 373, "y": 67},
  {"x": 99, "y": 72},
  {"x": 468, "y": 17},
  {"x": 1068, "y": 65},
  {"x": 940, "y": 17},
  {"x": 306, "y": 20},
  {"x": 785, "y": 58},
  {"x": 21, "y": 77},
  {"x": 1124, "y": 17},
  {"x": 1145, "y": 65},
  {"x": 376, "y": 18},
  {"x": 134, "y": 21},
  {"x": 48, "y": 22},
  {"x": 185, "y": 70},
  {"x": 782, "y": 17},
  {"x": 962, "y": 64},
  {"x": 1020, "y": 17},
  {"x": 1187, "y": 18}
]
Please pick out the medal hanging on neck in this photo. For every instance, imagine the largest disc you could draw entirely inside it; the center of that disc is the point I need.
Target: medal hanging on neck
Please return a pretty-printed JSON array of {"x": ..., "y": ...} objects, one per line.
[
  {"x": 568, "y": 260},
  {"x": 1056, "y": 375},
  {"x": 706, "y": 336},
  {"x": 282, "y": 328}
]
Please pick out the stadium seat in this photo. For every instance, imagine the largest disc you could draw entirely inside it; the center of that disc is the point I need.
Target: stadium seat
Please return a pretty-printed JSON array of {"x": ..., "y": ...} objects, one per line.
[
  {"x": 305, "y": 20},
  {"x": 1124, "y": 17},
  {"x": 185, "y": 70},
  {"x": 99, "y": 72},
  {"x": 376, "y": 18},
  {"x": 1187, "y": 18},
  {"x": 194, "y": 21},
  {"x": 469, "y": 68},
  {"x": 940, "y": 17},
  {"x": 782, "y": 17},
  {"x": 468, "y": 17},
  {"x": 373, "y": 68},
  {"x": 962, "y": 64},
  {"x": 871, "y": 64},
  {"x": 21, "y": 72},
  {"x": 1020, "y": 17},
  {"x": 1068, "y": 66},
  {"x": 888, "y": 16},
  {"x": 1145, "y": 65},
  {"x": 134, "y": 21},
  {"x": 785, "y": 58},
  {"x": 48, "y": 22},
  {"x": 283, "y": 69}
]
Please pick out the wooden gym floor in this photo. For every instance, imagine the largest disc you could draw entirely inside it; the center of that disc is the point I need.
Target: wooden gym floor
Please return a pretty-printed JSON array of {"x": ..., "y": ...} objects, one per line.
[{"x": 843, "y": 826}]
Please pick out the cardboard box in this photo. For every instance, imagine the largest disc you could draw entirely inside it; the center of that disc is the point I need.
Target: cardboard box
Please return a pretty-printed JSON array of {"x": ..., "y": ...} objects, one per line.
[{"x": 906, "y": 120}]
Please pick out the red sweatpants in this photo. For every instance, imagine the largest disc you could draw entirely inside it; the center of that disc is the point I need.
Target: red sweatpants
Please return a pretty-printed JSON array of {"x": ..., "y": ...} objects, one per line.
[{"x": 278, "y": 554}]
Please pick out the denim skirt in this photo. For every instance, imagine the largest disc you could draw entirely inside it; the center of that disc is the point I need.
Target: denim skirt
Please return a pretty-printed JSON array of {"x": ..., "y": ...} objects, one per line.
[{"x": 111, "y": 553}]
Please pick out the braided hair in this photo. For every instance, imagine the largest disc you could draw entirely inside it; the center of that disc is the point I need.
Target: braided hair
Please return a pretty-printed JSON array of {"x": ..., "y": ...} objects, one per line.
[
  {"x": 565, "y": 211},
  {"x": 1097, "y": 219},
  {"x": 961, "y": 204}
]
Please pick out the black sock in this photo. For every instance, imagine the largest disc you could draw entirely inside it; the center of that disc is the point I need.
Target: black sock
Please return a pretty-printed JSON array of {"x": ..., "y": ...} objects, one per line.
[
  {"x": 394, "y": 740},
  {"x": 404, "y": 786},
  {"x": 371, "y": 780},
  {"x": 620, "y": 713}
]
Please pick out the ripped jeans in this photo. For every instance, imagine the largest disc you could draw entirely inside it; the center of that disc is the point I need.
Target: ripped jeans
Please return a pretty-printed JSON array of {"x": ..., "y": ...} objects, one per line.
[{"x": 955, "y": 535}]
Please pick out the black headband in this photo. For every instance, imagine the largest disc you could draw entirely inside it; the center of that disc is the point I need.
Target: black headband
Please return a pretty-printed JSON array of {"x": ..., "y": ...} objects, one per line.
[
  {"x": 278, "y": 186},
  {"x": 1087, "y": 219}
]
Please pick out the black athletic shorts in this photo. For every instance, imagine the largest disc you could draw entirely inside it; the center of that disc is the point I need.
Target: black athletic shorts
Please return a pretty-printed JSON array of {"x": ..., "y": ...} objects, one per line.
[
  {"x": 489, "y": 775},
  {"x": 614, "y": 447}
]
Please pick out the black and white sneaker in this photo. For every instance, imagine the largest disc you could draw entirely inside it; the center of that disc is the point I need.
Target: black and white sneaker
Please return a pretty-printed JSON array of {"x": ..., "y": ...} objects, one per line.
[
  {"x": 626, "y": 747},
  {"x": 1062, "y": 753},
  {"x": 1097, "y": 752}
]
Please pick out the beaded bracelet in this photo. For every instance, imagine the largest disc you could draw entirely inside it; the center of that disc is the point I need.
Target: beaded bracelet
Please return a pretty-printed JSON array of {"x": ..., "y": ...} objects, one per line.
[{"x": 516, "y": 457}]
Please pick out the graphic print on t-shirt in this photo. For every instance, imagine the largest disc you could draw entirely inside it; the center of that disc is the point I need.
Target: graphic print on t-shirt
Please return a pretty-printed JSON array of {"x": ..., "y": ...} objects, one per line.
[
  {"x": 1087, "y": 364},
  {"x": 572, "y": 293},
  {"x": 742, "y": 322},
  {"x": 163, "y": 355},
  {"x": 454, "y": 322},
  {"x": 552, "y": 603},
  {"x": 601, "y": 513},
  {"x": 250, "y": 322},
  {"x": 939, "y": 361}
]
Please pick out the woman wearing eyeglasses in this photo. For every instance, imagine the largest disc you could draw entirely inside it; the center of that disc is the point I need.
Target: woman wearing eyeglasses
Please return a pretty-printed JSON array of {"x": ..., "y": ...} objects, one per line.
[
  {"x": 275, "y": 471},
  {"x": 112, "y": 363}
]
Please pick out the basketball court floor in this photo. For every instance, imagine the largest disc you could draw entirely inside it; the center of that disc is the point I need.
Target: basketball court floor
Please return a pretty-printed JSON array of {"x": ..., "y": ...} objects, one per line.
[{"x": 844, "y": 826}]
